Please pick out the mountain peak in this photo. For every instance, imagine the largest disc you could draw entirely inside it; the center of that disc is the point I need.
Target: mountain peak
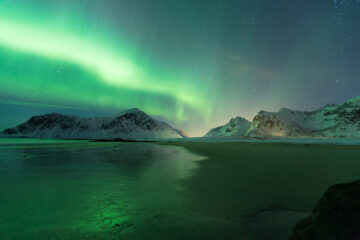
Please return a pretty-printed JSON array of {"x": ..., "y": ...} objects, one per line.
[
  {"x": 238, "y": 119},
  {"x": 284, "y": 109},
  {"x": 131, "y": 110},
  {"x": 237, "y": 126}
]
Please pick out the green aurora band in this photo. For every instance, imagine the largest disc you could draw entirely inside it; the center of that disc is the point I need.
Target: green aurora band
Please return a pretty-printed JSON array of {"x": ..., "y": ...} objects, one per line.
[
  {"x": 101, "y": 64},
  {"x": 194, "y": 64}
]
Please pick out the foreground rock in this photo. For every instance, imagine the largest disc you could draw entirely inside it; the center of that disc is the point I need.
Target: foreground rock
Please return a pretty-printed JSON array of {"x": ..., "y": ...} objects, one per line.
[
  {"x": 132, "y": 124},
  {"x": 236, "y": 127},
  {"x": 335, "y": 217}
]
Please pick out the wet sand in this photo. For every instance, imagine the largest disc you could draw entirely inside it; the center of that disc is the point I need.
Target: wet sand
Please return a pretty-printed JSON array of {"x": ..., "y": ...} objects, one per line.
[{"x": 265, "y": 187}]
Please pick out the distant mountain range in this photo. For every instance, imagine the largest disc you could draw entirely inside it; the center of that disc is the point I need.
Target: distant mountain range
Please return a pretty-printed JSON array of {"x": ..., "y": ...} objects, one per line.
[
  {"x": 330, "y": 121},
  {"x": 128, "y": 125}
]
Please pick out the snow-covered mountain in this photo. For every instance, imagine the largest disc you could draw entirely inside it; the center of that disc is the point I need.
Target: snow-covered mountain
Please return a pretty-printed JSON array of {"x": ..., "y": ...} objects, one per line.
[
  {"x": 332, "y": 120},
  {"x": 237, "y": 127},
  {"x": 128, "y": 125}
]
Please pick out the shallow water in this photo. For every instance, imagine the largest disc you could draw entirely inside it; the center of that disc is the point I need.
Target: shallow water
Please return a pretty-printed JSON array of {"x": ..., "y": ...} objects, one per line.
[
  {"x": 52, "y": 189},
  {"x": 52, "y": 186}
]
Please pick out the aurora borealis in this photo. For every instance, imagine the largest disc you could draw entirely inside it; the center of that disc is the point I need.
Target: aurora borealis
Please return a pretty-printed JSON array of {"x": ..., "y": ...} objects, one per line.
[{"x": 195, "y": 63}]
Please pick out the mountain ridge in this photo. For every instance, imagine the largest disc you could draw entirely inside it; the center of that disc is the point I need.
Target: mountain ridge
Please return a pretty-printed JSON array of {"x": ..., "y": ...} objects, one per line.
[
  {"x": 131, "y": 124},
  {"x": 330, "y": 121}
]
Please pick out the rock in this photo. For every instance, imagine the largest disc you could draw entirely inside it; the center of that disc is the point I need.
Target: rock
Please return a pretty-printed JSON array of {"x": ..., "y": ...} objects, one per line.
[{"x": 335, "y": 217}]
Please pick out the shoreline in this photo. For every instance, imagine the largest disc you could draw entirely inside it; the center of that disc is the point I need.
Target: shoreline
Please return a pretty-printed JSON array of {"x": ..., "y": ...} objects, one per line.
[{"x": 301, "y": 141}]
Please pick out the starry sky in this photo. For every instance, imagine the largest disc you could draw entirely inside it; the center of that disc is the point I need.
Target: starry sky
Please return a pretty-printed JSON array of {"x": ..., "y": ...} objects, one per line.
[{"x": 193, "y": 63}]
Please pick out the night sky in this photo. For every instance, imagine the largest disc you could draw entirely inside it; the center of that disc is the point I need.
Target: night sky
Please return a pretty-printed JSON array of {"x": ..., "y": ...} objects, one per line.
[{"x": 193, "y": 63}]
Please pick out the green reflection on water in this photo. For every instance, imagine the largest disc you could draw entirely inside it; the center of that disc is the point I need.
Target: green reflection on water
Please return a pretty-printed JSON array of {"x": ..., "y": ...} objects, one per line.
[{"x": 50, "y": 186}]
